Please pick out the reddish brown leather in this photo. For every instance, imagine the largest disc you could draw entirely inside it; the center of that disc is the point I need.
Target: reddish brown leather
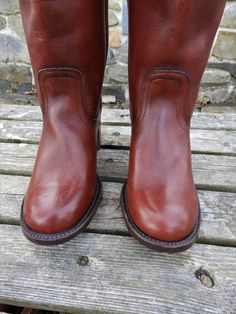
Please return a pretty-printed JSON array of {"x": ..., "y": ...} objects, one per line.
[
  {"x": 67, "y": 43},
  {"x": 169, "y": 45}
]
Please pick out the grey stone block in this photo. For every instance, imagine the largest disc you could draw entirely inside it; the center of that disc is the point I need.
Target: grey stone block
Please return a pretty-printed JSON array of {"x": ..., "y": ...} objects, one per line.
[
  {"x": 3, "y": 22},
  {"x": 219, "y": 94},
  {"x": 112, "y": 18},
  {"x": 224, "y": 65},
  {"x": 117, "y": 73},
  {"x": 22, "y": 88},
  {"x": 15, "y": 73},
  {"x": 108, "y": 99},
  {"x": 12, "y": 49},
  {"x": 15, "y": 24},
  {"x": 9, "y": 6},
  {"x": 125, "y": 18},
  {"x": 4, "y": 86},
  {"x": 215, "y": 77},
  {"x": 229, "y": 18},
  {"x": 225, "y": 46},
  {"x": 114, "y": 90},
  {"x": 110, "y": 57},
  {"x": 113, "y": 4},
  {"x": 121, "y": 54}
]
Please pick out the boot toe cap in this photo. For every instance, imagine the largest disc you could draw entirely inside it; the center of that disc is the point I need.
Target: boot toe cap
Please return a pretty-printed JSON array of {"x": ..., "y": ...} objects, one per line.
[
  {"x": 165, "y": 223},
  {"x": 53, "y": 218}
]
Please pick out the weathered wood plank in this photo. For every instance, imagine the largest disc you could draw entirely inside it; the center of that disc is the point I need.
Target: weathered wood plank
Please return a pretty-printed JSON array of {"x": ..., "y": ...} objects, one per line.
[
  {"x": 211, "y": 172},
  {"x": 203, "y": 141},
  {"x": 20, "y": 112},
  {"x": 218, "y": 211},
  {"x": 32, "y": 100},
  {"x": 122, "y": 117},
  {"x": 121, "y": 276}
]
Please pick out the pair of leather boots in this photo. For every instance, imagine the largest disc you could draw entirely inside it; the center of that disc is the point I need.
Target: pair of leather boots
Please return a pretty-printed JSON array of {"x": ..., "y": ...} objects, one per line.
[{"x": 169, "y": 45}]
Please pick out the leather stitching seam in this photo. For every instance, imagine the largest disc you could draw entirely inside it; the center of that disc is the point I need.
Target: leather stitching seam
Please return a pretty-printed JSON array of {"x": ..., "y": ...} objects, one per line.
[
  {"x": 58, "y": 74},
  {"x": 145, "y": 88}
]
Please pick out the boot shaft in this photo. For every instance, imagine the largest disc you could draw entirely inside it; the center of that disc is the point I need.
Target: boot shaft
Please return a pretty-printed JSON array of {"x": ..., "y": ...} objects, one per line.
[
  {"x": 170, "y": 35},
  {"x": 68, "y": 34}
]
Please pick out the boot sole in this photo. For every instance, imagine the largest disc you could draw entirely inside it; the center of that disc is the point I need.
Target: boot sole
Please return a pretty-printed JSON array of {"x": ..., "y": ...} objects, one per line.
[
  {"x": 155, "y": 244},
  {"x": 63, "y": 236}
]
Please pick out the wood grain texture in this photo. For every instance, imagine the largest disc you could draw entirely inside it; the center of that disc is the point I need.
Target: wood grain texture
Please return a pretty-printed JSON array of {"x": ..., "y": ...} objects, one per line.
[
  {"x": 205, "y": 121},
  {"x": 202, "y": 141},
  {"x": 212, "y": 172},
  {"x": 121, "y": 276},
  {"x": 218, "y": 211}
]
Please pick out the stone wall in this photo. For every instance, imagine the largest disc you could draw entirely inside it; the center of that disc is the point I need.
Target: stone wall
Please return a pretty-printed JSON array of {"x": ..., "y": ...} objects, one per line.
[{"x": 218, "y": 82}]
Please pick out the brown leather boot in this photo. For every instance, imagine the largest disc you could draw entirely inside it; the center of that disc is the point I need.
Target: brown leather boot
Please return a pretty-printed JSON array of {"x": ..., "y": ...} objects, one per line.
[
  {"x": 67, "y": 42},
  {"x": 169, "y": 45}
]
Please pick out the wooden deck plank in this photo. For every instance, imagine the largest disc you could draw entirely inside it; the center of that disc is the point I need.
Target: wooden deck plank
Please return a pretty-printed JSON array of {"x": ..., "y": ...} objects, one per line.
[
  {"x": 210, "y": 141},
  {"x": 218, "y": 211},
  {"x": 121, "y": 276},
  {"x": 122, "y": 117},
  {"x": 211, "y": 172}
]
